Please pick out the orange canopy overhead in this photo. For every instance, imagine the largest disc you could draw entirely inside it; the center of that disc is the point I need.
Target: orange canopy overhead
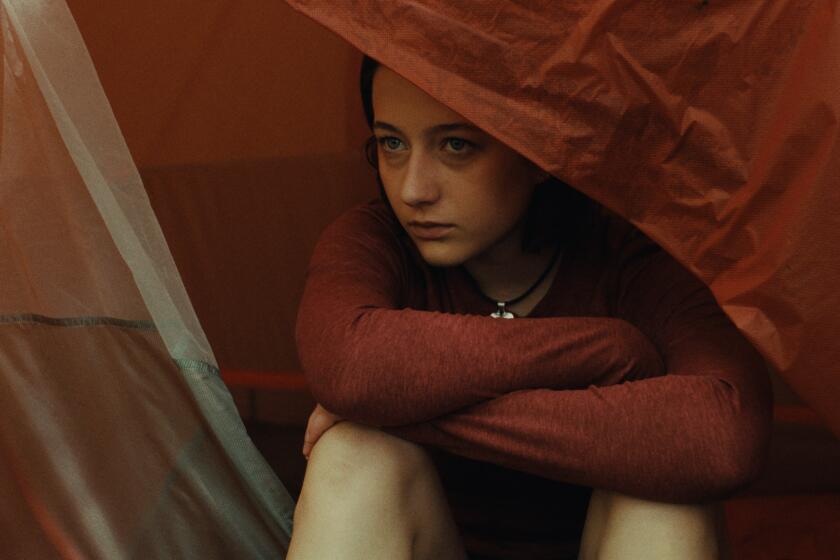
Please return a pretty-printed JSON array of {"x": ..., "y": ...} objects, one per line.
[{"x": 712, "y": 126}]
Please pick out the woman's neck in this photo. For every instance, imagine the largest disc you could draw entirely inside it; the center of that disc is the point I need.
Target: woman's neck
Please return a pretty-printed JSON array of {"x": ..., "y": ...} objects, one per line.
[{"x": 505, "y": 272}]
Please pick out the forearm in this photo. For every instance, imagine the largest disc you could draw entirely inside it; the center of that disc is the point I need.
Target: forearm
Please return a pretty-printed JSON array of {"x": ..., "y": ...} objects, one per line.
[
  {"x": 373, "y": 354},
  {"x": 391, "y": 367},
  {"x": 673, "y": 438}
]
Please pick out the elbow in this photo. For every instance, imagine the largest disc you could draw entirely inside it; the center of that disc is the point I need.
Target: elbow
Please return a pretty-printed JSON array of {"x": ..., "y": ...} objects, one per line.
[
  {"x": 733, "y": 451},
  {"x": 324, "y": 363},
  {"x": 740, "y": 454},
  {"x": 322, "y": 383},
  {"x": 745, "y": 425},
  {"x": 346, "y": 378},
  {"x": 739, "y": 466},
  {"x": 720, "y": 470},
  {"x": 344, "y": 390},
  {"x": 324, "y": 372},
  {"x": 350, "y": 403},
  {"x": 325, "y": 392}
]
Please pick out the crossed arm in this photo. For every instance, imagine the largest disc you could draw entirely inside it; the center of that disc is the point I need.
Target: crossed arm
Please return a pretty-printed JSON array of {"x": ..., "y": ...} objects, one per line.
[{"x": 674, "y": 409}]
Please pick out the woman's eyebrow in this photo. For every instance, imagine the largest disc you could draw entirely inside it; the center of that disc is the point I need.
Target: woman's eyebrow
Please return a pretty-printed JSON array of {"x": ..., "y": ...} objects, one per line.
[{"x": 445, "y": 127}]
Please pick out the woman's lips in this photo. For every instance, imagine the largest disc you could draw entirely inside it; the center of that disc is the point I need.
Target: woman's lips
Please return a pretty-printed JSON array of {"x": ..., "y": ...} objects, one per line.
[{"x": 430, "y": 232}]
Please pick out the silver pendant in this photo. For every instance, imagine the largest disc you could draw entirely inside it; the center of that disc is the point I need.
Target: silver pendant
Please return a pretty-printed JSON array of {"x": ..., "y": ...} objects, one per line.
[{"x": 501, "y": 312}]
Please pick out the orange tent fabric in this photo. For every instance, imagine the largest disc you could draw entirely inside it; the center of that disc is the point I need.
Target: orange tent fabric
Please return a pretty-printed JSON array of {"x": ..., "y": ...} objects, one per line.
[{"x": 712, "y": 126}]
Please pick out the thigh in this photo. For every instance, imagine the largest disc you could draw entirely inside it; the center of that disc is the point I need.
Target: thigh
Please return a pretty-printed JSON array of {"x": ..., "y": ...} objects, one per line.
[{"x": 619, "y": 526}]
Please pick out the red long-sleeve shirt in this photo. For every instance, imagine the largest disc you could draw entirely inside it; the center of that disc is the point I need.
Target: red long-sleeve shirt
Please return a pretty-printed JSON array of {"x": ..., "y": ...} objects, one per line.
[{"x": 626, "y": 376}]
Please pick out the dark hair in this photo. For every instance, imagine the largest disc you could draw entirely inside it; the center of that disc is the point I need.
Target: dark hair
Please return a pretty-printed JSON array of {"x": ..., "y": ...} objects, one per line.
[{"x": 556, "y": 213}]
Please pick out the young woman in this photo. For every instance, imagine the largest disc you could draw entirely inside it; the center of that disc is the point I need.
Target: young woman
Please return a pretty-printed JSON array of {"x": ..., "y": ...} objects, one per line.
[{"x": 483, "y": 315}]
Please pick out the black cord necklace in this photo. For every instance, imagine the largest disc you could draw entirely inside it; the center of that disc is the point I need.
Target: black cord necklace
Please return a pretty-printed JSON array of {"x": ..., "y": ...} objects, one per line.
[{"x": 503, "y": 313}]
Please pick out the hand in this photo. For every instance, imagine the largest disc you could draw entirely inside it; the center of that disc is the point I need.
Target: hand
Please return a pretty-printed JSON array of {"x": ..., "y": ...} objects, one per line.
[{"x": 319, "y": 422}]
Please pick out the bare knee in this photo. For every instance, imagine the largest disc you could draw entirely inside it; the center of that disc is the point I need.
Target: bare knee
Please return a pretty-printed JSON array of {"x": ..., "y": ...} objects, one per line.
[
  {"x": 376, "y": 492},
  {"x": 619, "y": 526},
  {"x": 350, "y": 457},
  {"x": 357, "y": 494}
]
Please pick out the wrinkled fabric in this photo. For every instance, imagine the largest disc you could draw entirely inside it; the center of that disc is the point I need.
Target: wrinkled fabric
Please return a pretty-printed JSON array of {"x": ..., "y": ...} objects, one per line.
[
  {"x": 711, "y": 126},
  {"x": 118, "y": 438}
]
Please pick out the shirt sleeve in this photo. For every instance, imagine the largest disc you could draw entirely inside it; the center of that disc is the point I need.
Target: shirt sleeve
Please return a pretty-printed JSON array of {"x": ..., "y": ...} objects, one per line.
[
  {"x": 369, "y": 360},
  {"x": 697, "y": 433}
]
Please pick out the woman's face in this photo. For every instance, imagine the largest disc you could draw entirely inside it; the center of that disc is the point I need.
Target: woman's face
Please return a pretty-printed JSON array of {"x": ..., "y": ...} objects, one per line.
[{"x": 436, "y": 166}]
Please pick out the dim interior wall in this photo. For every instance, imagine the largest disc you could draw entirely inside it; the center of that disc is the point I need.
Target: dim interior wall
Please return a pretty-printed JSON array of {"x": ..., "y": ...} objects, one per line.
[
  {"x": 214, "y": 82},
  {"x": 242, "y": 235}
]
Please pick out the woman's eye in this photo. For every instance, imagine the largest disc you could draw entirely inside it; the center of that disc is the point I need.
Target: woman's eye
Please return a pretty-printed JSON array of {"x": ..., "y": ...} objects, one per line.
[
  {"x": 458, "y": 145},
  {"x": 390, "y": 143}
]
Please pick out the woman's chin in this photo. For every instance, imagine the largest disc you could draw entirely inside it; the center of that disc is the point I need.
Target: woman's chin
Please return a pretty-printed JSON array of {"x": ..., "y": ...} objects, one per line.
[{"x": 439, "y": 254}]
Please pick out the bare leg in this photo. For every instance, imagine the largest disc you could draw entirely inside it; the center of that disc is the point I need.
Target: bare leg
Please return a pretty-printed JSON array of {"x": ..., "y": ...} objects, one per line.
[
  {"x": 369, "y": 495},
  {"x": 619, "y": 526}
]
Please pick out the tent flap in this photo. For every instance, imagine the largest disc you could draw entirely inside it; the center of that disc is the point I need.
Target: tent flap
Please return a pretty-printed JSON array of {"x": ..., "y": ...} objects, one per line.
[{"x": 712, "y": 126}]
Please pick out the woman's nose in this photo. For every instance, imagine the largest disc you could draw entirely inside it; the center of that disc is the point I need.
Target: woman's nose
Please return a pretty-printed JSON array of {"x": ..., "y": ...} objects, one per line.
[{"x": 419, "y": 184}]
